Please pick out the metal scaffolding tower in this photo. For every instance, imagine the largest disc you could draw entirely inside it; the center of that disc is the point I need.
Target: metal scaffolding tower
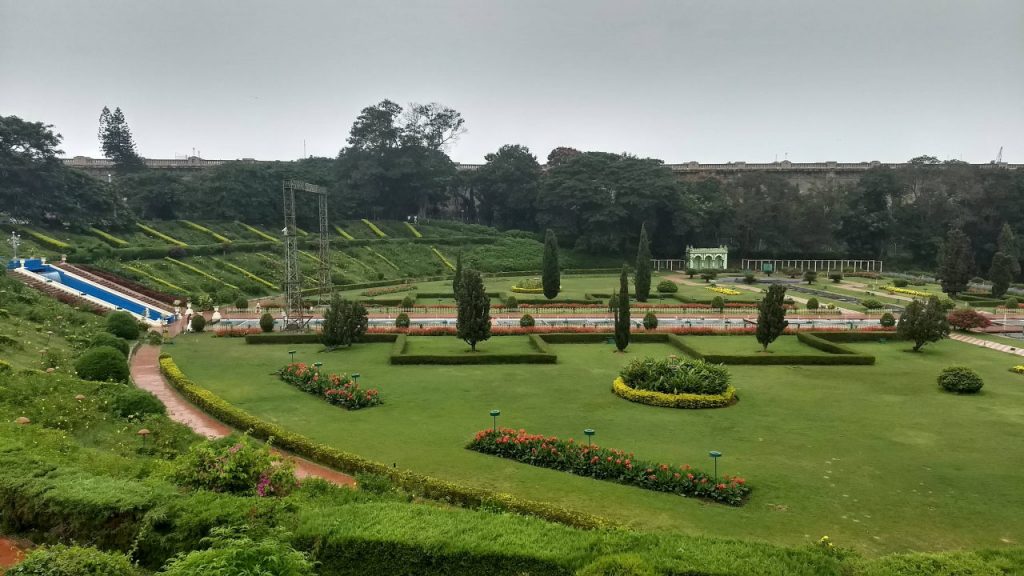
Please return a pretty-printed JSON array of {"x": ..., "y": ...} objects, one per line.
[{"x": 294, "y": 310}]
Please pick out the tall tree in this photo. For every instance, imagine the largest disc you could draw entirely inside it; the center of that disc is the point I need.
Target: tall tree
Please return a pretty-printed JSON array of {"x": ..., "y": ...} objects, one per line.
[
  {"x": 1007, "y": 244},
  {"x": 457, "y": 280},
  {"x": 551, "y": 273},
  {"x": 771, "y": 315},
  {"x": 345, "y": 322},
  {"x": 508, "y": 185},
  {"x": 643, "y": 267},
  {"x": 474, "y": 321},
  {"x": 117, "y": 141},
  {"x": 622, "y": 322},
  {"x": 868, "y": 224},
  {"x": 923, "y": 323},
  {"x": 1001, "y": 274},
  {"x": 956, "y": 262}
]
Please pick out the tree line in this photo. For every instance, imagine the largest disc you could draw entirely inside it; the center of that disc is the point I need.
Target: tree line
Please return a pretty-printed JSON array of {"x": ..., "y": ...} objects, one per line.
[{"x": 395, "y": 164}]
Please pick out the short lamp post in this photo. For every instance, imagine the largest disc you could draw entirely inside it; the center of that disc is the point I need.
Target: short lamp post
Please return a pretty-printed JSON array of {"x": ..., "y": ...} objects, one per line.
[
  {"x": 494, "y": 415},
  {"x": 715, "y": 455},
  {"x": 590, "y": 436},
  {"x": 317, "y": 365},
  {"x": 292, "y": 354},
  {"x": 355, "y": 376}
]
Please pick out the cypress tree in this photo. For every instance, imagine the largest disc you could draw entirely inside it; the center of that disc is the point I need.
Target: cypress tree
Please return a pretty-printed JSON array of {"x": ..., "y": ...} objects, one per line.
[
  {"x": 344, "y": 322},
  {"x": 474, "y": 323},
  {"x": 771, "y": 315},
  {"x": 643, "y": 267},
  {"x": 1001, "y": 273},
  {"x": 622, "y": 313},
  {"x": 457, "y": 281},
  {"x": 551, "y": 275},
  {"x": 956, "y": 262},
  {"x": 1007, "y": 244}
]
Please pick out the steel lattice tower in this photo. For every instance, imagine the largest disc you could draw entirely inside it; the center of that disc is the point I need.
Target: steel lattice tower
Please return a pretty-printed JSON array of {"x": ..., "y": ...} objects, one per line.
[{"x": 292, "y": 274}]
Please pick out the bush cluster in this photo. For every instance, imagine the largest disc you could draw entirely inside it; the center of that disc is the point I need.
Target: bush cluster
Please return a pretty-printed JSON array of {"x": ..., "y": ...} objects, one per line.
[
  {"x": 235, "y": 465},
  {"x": 123, "y": 325},
  {"x": 129, "y": 401},
  {"x": 650, "y": 321},
  {"x": 103, "y": 363},
  {"x": 60, "y": 560},
  {"x": 675, "y": 375},
  {"x": 402, "y": 320},
  {"x": 108, "y": 339},
  {"x": 667, "y": 287},
  {"x": 527, "y": 321},
  {"x": 960, "y": 380},
  {"x": 267, "y": 322}
]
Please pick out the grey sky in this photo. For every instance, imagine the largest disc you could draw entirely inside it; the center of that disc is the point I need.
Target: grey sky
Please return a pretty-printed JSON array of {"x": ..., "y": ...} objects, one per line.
[{"x": 711, "y": 81}]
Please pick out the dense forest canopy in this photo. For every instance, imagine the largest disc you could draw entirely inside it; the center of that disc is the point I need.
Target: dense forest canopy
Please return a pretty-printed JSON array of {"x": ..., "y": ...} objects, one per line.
[{"x": 395, "y": 164}]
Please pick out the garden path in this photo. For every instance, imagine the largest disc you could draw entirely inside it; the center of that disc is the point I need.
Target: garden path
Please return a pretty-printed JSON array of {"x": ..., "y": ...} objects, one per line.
[
  {"x": 986, "y": 344},
  {"x": 145, "y": 370},
  {"x": 10, "y": 553},
  {"x": 798, "y": 299}
]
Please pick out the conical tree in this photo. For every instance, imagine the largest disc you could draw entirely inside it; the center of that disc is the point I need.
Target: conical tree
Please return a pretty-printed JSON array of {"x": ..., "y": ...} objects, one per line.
[
  {"x": 551, "y": 273},
  {"x": 457, "y": 281},
  {"x": 474, "y": 323},
  {"x": 1007, "y": 244},
  {"x": 771, "y": 315},
  {"x": 956, "y": 262},
  {"x": 344, "y": 322},
  {"x": 117, "y": 142},
  {"x": 621, "y": 312},
  {"x": 642, "y": 281},
  {"x": 1001, "y": 274}
]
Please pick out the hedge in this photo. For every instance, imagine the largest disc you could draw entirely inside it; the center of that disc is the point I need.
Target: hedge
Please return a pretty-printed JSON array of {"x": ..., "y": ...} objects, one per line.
[
  {"x": 834, "y": 358},
  {"x": 623, "y": 390},
  {"x": 373, "y": 227},
  {"x": 309, "y": 338},
  {"x": 109, "y": 238},
  {"x": 400, "y": 357},
  {"x": 198, "y": 271},
  {"x": 218, "y": 237},
  {"x": 160, "y": 235},
  {"x": 431, "y": 488},
  {"x": 259, "y": 233},
  {"x": 48, "y": 240}
]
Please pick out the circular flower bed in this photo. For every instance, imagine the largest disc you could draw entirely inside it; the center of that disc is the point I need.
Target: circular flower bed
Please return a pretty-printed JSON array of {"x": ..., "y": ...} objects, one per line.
[{"x": 675, "y": 382}]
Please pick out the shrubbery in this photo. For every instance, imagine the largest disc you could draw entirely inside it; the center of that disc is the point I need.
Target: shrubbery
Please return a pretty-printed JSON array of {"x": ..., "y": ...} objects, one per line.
[
  {"x": 650, "y": 321},
  {"x": 812, "y": 303},
  {"x": 960, "y": 379},
  {"x": 126, "y": 401},
  {"x": 667, "y": 287},
  {"x": 402, "y": 320},
  {"x": 102, "y": 364},
  {"x": 267, "y": 322},
  {"x": 63, "y": 560},
  {"x": 198, "y": 323},
  {"x": 900, "y": 283},
  {"x": 408, "y": 303},
  {"x": 241, "y": 303},
  {"x": 527, "y": 321},
  {"x": 836, "y": 277},
  {"x": 676, "y": 375},
  {"x": 340, "y": 390},
  {"x": 234, "y": 552},
  {"x": 123, "y": 325},
  {"x": 887, "y": 320},
  {"x": 235, "y": 465},
  {"x": 108, "y": 339},
  {"x": 967, "y": 319},
  {"x": 871, "y": 304}
]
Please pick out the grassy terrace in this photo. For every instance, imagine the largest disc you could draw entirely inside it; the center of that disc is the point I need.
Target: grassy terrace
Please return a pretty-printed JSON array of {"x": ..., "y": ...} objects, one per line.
[{"x": 874, "y": 456}]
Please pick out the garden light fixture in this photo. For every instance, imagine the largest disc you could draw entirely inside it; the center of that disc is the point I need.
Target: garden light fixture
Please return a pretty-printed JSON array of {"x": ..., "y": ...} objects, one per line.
[
  {"x": 292, "y": 354},
  {"x": 715, "y": 455},
  {"x": 494, "y": 415},
  {"x": 590, "y": 436}
]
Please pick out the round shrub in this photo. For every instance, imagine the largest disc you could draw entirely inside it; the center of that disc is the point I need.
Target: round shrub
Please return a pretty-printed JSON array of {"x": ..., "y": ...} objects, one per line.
[
  {"x": 650, "y": 321},
  {"x": 108, "y": 339},
  {"x": 198, "y": 323},
  {"x": 236, "y": 553},
  {"x": 749, "y": 278},
  {"x": 812, "y": 303},
  {"x": 102, "y": 364},
  {"x": 708, "y": 276},
  {"x": 667, "y": 287},
  {"x": 402, "y": 320},
  {"x": 527, "y": 321},
  {"x": 267, "y": 322},
  {"x": 511, "y": 303},
  {"x": 63, "y": 560},
  {"x": 154, "y": 338},
  {"x": 125, "y": 401},
  {"x": 718, "y": 303},
  {"x": 836, "y": 277},
  {"x": 960, "y": 380},
  {"x": 887, "y": 320},
  {"x": 123, "y": 325},
  {"x": 253, "y": 469},
  {"x": 675, "y": 375},
  {"x": 871, "y": 304},
  {"x": 1011, "y": 303},
  {"x": 407, "y": 302},
  {"x": 241, "y": 303},
  {"x": 900, "y": 283}
]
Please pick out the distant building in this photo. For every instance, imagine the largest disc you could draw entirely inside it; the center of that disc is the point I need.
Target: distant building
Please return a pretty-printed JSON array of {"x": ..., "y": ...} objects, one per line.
[{"x": 707, "y": 258}]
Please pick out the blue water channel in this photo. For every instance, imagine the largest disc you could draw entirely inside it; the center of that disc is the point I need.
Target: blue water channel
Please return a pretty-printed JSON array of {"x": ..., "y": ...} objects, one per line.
[{"x": 82, "y": 287}]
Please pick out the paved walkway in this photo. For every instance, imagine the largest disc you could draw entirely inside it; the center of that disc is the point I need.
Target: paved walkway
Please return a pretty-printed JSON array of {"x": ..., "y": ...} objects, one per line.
[
  {"x": 145, "y": 369},
  {"x": 986, "y": 344}
]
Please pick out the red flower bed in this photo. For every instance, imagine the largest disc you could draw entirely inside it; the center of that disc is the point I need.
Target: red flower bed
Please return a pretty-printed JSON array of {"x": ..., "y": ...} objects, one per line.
[
  {"x": 387, "y": 290},
  {"x": 236, "y": 332},
  {"x": 608, "y": 464},
  {"x": 340, "y": 390}
]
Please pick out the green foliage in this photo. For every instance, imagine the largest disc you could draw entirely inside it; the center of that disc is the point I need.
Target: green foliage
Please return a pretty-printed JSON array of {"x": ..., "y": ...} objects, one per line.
[
  {"x": 198, "y": 323},
  {"x": 474, "y": 320},
  {"x": 835, "y": 277},
  {"x": 102, "y": 363},
  {"x": 128, "y": 401},
  {"x": 771, "y": 315},
  {"x": 108, "y": 339},
  {"x": 407, "y": 302},
  {"x": 675, "y": 375},
  {"x": 900, "y": 283},
  {"x": 749, "y": 278},
  {"x": 691, "y": 272},
  {"x": 402, "y": 320},
  {"x": 267, "y": 322},
  {"x": 511, "y": 303},
  {"x": 642, "y": 277},
  {"x": 810, "y": 276},
  {"x": 345, "y": 322},
  {"x": 551, "y": 274},
  {"x": 708, "y": 276},
  {"x": 812, "y": 303},
  {"x": 1001, "y": 274},
  {"x": 507, "y": 186},
  {"x": 154, "y": 338},
  {"x": 667, "y": 287},
  {"x": 1011, "y": 303},
  {"x": 233, "y": 552},
  {"x": 887, "y": 320},
  {"x": 961, "y": 380},
  {"x": 621, "y": 312},
  {"x": 123, "y": 325},
  {"x": 60, "y": 560},
  {"x": 923, "y": 323},
  {"x": 527, "y": 321},
  {"x": 242, "y": 303},
  {"x": 650, "y": 321},
  {"x": 967, "y": 319},
  {"x": 718, "y": 303},
  {"x": 235, "y": 465},
  {"x": 457, "y": 280},
  {"x": 871, "y": 304},
  {"x": 618, "y": 565},
  {"x": 956, "y": 262}
]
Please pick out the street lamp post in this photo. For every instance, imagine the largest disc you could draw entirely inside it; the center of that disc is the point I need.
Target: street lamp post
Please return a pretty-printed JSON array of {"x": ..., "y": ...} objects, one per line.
[
  {"x": 715, "y": 455},
  {"x": 494, "y": 414}
]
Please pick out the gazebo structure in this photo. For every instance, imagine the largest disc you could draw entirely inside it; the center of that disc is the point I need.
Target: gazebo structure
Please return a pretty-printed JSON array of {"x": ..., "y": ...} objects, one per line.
[{"x": 707, "y": 258}]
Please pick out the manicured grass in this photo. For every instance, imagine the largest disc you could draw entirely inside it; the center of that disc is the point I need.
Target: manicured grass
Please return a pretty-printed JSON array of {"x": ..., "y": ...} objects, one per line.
[
  {"x": 454, "y": 346},
  {"x": 876, "y": 457},
  {"x": 784, "y": 345}
]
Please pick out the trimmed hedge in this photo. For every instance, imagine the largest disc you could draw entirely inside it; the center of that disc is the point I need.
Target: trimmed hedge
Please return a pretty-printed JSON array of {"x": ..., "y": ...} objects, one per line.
[
  {"x": 399, "y": 357},
  {"x": 310, "y": 338},
  {"x": 623, "y": 390},
  {"x": 413, "y": 483},
  {"x": 837, "y": 355}
]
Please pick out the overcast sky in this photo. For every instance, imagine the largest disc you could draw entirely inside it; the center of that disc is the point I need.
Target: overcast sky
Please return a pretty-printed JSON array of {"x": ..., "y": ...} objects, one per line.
[{"x": 711, "y": 81}]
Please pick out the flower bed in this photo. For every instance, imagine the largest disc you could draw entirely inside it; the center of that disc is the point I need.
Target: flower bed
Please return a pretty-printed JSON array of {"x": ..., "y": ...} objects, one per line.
[
  {"x": 907, "y": 291},
  {"x": 373, "y": 227},
  {"x": 685, "y": 400},
  {"x": 675, "y": 375},
  {"x": 1019, "y": 369},
  {"x": 387, "y": 290},
  {"x": 340, "y": 390},
  {"x": 726, "y": 291},
  {"x": 536, "y": 286},
  {"x": 608, "y": 464}
]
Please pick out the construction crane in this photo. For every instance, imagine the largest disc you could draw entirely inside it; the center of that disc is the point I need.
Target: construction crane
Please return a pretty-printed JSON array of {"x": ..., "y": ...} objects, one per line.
[{"x": 999, "y": 157}]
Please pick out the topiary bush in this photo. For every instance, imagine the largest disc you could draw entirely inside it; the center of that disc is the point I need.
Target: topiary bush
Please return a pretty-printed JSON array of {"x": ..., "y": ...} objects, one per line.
[
  {"x": 650, "y": 321},
  {"x": 871, "y": 304},
  {"x": 900, "y": 283},
  {"x": 836, "y": 277},
  {"x": 749, "y": 278},
  {"x": 102, "y": 364},
  {"x": 527, "y": 321},
  {"x": 63, "y": 560},
  {"x": 812, "y": 303},
  {"x": 675, "y": 375},
  {"x": 402, "y": 320},
  {"x": 407, "y": 302},
  {"x": 511, "y": 303},
  {"x": 718, "y": 303},
  {"x": 667, "y": 287},
  {"x": 125, "y": 401},
  {"x": 241, "y": 303},
  {"x": 708, "y": 276},
  {"x": 267, "y": 322},
  {"x": 123, "y": 325},
  {"x": 887, "y": 320},
  {"x": 1011, "y": 303},
  {"x": 108, "y": 339},
  {"x": 154, "y": 338},
  {"x": 198, "y": 323},
  {"x": 960, "y": 380}
]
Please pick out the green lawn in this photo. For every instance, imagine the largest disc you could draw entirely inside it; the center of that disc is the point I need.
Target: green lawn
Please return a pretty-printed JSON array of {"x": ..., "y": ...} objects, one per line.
[
  {"x": 453, "y": 346},
  {"x": 785, "y": 345},
  {"x": 876, "y": 457}
]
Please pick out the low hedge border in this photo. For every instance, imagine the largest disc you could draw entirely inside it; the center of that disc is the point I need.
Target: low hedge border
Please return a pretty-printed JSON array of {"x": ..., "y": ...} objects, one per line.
[
  {"x": 310, "y": 338},
  {"x": 623, "y": 390},
  {"x": 846, "y": 357},
  {"x": 425, "y": 486},
  {"x": 400, "y": 357}
]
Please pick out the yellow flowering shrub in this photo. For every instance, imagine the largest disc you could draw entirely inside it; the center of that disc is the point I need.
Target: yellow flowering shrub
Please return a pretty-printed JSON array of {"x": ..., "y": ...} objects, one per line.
[{"x": 623, "y": 390}]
